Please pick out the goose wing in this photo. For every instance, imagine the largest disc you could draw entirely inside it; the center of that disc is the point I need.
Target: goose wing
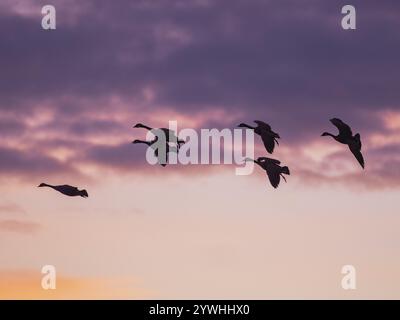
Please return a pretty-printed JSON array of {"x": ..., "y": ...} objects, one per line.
[
  {"x": 355, "y": 150},
  {"x": 67, "y": 187},
  {"x": 357, "y": 137},
  {"x": 274, "y": 177},
  {"x": 170, "y": 135},
  {"x": 268, "y": 141},
  {"x": 344, "y": 129},
  {"x": 263, "y": 125},
  {"x": 163, "y": 156}
]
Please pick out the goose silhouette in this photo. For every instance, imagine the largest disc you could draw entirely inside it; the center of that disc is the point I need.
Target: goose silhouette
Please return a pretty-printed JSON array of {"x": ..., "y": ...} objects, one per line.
[
  {"x": 151, "y": 143},
  {"x": 170, "y": 135},
  {"x": 67, "y": 190},
  {"x": 345, "y": 136},
  {"x": 268, "y": 137},
  {"x": 272, "y": 168}
]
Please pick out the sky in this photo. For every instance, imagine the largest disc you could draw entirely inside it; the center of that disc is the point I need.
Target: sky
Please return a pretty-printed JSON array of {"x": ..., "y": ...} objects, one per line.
[{"x": 69, "y": 98}]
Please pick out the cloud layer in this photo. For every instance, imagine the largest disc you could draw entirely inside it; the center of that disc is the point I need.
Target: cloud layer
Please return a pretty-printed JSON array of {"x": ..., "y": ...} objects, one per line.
[{"x": 68, "y": 98}]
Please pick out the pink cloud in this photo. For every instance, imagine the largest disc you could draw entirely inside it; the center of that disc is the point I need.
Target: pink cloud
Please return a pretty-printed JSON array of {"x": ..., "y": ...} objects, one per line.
[{"x": 16, "y": 226}]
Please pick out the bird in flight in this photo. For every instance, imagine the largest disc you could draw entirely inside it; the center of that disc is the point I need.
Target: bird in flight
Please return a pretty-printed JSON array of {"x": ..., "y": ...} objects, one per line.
[
  {"x": 272, "y": 168},
  {"x": 268, "y": 137},
  {"x": 345, "y": 136},
  {"x": 67, "y": 190},
  {"x": 161, "y": 160},
  {"x": 170, "y": 135}
]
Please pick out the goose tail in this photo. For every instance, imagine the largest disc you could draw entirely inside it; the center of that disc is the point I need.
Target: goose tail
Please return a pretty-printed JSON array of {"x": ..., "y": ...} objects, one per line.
[{"x": 285, "y": 170}]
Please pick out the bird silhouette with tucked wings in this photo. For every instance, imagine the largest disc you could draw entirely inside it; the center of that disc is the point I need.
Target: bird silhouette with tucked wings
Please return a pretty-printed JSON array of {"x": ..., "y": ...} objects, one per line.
[
  {"x": 346, "y": 136},
  {"x": 67, "y": 190},
  {"x": 268, "y": 137}
]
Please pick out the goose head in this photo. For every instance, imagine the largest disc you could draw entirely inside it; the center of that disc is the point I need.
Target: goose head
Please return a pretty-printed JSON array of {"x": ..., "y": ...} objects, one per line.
[{"x": 42, "y": 185}]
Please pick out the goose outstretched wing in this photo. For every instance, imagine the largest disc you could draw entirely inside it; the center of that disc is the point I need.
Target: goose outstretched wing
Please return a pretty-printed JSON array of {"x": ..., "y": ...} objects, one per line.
[
  {"x": 274, "y": 177},
  {"x": 263, "y": 125},
  {"x": 268, "y": 141},
  {"x": 358, "y": 139},
  {"x": 344, "y": 129},
  {"x": 355, "y": 150}
]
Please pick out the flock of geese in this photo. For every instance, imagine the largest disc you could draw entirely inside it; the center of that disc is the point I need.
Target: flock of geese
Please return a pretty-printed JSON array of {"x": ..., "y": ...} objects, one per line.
[{"x": 272, "y": 167}]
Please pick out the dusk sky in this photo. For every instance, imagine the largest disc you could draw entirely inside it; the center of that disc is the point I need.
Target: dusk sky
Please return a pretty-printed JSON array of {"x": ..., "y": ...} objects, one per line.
[{"x": 69, "y": 98}]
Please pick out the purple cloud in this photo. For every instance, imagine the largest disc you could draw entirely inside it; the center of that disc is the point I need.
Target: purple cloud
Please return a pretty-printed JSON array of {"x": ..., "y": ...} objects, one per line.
[{"x": 107, "y": 66}]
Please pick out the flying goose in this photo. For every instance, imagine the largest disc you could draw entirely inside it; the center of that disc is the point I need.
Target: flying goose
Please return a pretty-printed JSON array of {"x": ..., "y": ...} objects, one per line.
[
  {"x": 151, "y": 143},
  {"x": 264, "y": 130},
  {"x": 170, "y": 135},
  {"x": 273, "y": 169},
  {"x": 345, "y": 136},
  {"x": 67, "y": 190}
]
